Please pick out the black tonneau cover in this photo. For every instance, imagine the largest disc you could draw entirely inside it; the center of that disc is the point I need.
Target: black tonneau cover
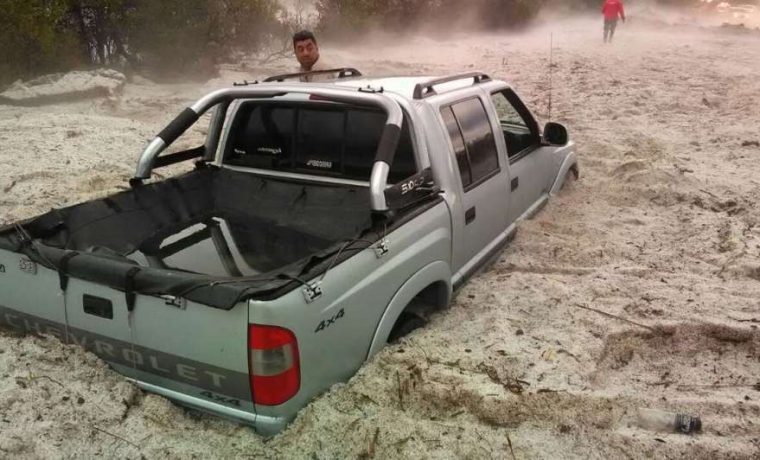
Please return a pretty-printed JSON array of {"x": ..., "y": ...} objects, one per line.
[{"x": 282, "y": 231}]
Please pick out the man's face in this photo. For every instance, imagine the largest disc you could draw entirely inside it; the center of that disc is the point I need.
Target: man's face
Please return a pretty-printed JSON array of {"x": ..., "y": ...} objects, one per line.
[{"x": 307, "y": 53}]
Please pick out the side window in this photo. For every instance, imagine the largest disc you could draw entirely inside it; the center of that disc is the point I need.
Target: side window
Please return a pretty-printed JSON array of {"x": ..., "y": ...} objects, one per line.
[
  {"x": 518, "y": 133},
  {"x": 459, "y": 149},
  {"x": 507, "y": 114},
  {"x": 478, "y": 137},
  {"x": 473, "y": 140}
]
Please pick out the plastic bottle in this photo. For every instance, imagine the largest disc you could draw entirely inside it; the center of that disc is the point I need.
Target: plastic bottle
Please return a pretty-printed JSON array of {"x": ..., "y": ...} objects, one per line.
[{"x": 659, "y": 420}]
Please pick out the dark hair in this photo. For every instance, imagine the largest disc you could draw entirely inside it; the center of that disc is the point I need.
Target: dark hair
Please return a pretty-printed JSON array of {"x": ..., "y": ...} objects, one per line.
[{"x": 303, "y": 35}]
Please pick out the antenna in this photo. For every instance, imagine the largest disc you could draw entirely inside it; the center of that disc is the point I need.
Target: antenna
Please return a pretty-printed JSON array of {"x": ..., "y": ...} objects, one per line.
[{"x": 551, "y": 65}]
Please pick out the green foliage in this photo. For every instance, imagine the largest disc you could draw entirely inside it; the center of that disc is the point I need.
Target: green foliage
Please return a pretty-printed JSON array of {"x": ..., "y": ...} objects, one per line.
[
  {"x": 30, "y": 40},
  {"x": 172, "y": 37}
]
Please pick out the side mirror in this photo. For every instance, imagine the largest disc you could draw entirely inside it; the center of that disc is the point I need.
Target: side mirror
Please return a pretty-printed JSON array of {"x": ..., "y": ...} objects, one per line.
[{"x": 555, "y": 134}]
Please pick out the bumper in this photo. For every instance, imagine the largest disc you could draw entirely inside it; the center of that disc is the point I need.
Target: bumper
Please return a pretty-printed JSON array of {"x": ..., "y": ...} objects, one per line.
[{"x": 263, "y": 425}]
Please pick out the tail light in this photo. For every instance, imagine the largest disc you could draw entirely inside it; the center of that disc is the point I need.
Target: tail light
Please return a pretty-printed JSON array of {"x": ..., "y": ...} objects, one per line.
[{"x": 273, "y": 364}]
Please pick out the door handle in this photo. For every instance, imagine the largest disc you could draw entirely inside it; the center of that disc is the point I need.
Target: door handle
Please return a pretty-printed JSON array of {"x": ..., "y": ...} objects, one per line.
[
  {"x": 469, "y": 216},
  {"x": 97, "y": 306},
  {"x": 515, "y": 183}
]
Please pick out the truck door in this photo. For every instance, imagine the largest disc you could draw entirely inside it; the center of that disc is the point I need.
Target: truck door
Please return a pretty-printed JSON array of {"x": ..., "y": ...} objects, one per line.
[
  {"x": 529, "y": 162},
  {"x": 484, "y": 178}
]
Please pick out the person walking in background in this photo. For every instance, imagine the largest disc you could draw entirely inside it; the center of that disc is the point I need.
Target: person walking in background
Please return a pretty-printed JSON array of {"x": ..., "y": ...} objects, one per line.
[{"x": 612, "y": 10}]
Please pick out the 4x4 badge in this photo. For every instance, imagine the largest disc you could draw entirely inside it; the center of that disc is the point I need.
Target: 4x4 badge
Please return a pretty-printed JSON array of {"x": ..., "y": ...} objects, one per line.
[{"x": 2, "y": 268}]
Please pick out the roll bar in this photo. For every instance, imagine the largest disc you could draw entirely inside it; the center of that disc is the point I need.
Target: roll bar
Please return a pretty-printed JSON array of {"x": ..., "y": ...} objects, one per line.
[{"x": 385, "y": 151}]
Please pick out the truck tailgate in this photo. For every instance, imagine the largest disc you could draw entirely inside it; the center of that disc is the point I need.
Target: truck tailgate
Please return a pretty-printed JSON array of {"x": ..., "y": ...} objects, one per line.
[
  {"x": 181, "y": 346},
  {"x": 176, "y": 346}
]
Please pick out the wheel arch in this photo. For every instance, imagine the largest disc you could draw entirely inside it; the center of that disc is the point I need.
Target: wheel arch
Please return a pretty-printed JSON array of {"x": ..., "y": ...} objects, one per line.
[
  {"x": 569, "y": 165},
  {"x": 433, "y": 279}
]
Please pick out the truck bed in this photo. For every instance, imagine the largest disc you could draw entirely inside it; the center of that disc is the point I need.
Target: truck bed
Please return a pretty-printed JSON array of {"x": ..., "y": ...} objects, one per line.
[{"x": 211, "y": 228}]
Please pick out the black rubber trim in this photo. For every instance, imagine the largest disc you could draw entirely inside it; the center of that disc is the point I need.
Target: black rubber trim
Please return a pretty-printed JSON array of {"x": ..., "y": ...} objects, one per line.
[
  {"x": 386, "y": 149},
  {"x": 129, "y": 287},
  {"x": 179, "y": 157},
  {"x": 178, "y": 126},
  {"x": 63, "y": 268}
]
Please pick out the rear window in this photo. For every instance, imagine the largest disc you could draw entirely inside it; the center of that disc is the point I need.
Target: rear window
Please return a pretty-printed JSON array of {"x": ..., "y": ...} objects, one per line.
[{"x": 329, "y": 140}]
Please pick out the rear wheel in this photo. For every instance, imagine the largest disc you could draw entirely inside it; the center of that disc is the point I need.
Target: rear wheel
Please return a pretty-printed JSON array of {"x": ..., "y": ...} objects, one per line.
[{"x": 405, "y": 324}]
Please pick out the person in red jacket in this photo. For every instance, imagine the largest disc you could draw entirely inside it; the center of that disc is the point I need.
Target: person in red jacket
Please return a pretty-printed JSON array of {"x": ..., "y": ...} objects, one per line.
[{"x": 612, "y": 9}]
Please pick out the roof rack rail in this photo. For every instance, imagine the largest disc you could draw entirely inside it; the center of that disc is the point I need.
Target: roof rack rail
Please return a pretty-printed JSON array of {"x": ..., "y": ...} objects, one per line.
[
  {"x": 423, "y": 90},
  {"x": 343, "y": 72}
]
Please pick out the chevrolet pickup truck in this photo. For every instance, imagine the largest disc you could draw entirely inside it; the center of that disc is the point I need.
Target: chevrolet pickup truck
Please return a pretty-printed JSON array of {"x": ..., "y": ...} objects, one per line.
[{"x": 321, "y": 221}]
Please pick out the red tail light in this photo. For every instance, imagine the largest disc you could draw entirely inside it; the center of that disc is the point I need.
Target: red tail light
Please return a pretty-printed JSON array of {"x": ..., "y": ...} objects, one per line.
[{"x": 273, "y": 364}]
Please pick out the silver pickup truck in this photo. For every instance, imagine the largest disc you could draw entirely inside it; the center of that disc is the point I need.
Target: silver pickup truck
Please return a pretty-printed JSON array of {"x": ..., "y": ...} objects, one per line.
[{"x": 322, "y": 220}]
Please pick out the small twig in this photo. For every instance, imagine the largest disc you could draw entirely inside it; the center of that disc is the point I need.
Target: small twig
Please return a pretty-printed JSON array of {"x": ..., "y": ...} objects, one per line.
[
  {"x": 117, "y": 437},
  {"x": 755, "y": 386},
  {"x": 400, "y": 394},
  {"x": 397, "y": 444},
  {"x": 511, "y": 451},
  {"x": 731, "y": 260},
  {"x": 37, "y": 377},
  {"x": 427, "y": 358},
  {"x": 709, "y": 193},
  {"x": 278, "y": 54},
  {"x": 750, "y": 320},
  {"x": 610, "y": 315},
  {"x": 373, "y": 444}
]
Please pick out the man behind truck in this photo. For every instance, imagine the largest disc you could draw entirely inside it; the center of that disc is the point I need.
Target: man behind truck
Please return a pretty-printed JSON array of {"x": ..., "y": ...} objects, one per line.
[
  {"x": 307, "y": 52},
  {"x": 612, "y": 9}
]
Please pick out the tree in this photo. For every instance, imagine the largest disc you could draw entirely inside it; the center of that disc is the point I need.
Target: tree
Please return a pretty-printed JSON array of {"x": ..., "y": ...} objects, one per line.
[
  {"x": 31, "y": 41},
  {"x": 101, "y": 26},
  {"x": 173, "y": 37}
]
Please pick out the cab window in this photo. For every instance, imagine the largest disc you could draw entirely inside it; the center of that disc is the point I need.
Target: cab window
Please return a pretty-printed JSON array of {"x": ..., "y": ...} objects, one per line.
[
  {"x": 518, "y": 127},
  {"x": 473, "y": 140},
  {"x": 328, "y": 140}
]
